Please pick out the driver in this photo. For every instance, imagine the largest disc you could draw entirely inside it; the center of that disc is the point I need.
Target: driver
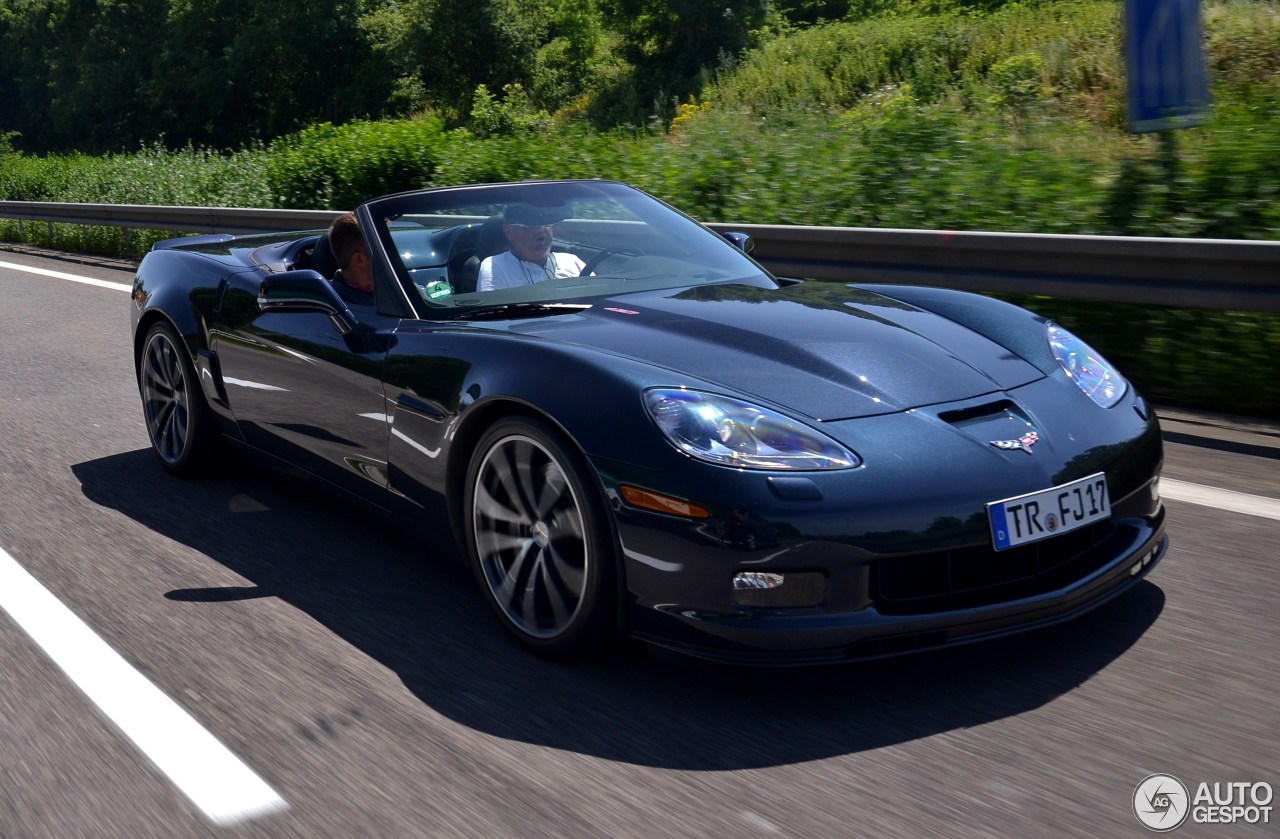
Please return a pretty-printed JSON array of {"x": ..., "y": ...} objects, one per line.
[{"x": 529, "y": 232}]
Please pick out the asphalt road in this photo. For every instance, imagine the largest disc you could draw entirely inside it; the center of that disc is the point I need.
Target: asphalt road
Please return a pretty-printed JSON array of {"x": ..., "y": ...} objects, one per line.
[{"x": 364, "y": 683}]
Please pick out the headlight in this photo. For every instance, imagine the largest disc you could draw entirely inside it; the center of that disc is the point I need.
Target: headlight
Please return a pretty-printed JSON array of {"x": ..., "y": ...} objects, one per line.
[
  {"x": 730, "y": 432},
  {"x": 1086, "y": 367}
]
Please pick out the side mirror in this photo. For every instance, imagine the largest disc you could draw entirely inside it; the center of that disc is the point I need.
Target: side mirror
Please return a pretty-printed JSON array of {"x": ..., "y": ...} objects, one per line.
[
  {"x": 741, "y": 241},
  {"x": 305, "y": 291}
]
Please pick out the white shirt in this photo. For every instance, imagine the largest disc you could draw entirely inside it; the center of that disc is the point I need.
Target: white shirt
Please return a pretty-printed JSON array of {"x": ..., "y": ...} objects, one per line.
[{"x": 506, "y": 270}]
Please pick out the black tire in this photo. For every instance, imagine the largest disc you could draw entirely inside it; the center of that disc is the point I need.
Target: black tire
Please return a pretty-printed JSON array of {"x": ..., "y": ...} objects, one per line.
[
  {"x": 539, "y": 541},
  {"x": 179, "y": 423}
]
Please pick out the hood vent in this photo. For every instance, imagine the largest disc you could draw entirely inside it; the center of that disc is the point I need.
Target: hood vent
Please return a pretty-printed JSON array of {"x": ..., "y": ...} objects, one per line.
[{"x": 960, "y": 416}]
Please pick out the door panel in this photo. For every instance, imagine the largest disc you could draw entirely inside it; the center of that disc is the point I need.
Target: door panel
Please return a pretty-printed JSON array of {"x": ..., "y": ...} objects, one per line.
[{"x": 300, "y": 390}]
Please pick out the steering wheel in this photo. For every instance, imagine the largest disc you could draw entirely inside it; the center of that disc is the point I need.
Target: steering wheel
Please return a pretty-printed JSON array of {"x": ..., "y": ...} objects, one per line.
[{"x": 616, "y": 250}]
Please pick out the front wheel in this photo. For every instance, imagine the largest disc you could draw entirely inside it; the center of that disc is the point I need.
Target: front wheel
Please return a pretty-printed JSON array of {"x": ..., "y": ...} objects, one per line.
[
  {"x": 539, "y": 541},
  {"x": 178, "y": 420}
]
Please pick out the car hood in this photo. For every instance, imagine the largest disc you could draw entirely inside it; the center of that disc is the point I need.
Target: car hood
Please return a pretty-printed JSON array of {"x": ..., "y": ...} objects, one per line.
[{"x": 829, "y": 351}]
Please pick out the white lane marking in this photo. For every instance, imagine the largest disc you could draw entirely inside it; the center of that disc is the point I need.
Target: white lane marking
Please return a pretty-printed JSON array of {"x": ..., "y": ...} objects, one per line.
[
  {"x": 58, "y": 275},
  {"x": 224, "y": 788},
  {"x": 1222, "y": 499}
]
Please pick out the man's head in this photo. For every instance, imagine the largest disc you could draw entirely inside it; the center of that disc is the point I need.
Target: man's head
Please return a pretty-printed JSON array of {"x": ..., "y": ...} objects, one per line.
[
  {"x": 529, "y": 230},
  {"x": 349, "y": 248}
]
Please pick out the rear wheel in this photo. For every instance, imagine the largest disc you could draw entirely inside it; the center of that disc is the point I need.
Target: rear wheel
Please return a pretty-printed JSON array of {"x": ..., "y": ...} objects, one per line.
[
  {"x": 539, "y": 541},
  {"x": 178, "y": 420}
]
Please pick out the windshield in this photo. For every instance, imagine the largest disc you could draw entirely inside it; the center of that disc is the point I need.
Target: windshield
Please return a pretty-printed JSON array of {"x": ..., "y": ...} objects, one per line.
[{"x": 511, "y": 245}]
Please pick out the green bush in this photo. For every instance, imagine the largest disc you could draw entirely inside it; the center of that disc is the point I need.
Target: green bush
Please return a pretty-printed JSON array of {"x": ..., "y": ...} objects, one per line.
[
  {"x": 1076, "y": 45},
  {"x": 512, "y": 113},
  {"x": 1243, "y": 42},
  {"x": 149, "y": 176},
  {"x": 1017, "y": 81},
  {"x": 330, "y": 167}
]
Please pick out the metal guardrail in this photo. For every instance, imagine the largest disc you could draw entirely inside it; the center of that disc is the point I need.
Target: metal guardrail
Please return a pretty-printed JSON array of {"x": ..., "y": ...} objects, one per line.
[
  {"x": 1195, "y": 273},
  {"x": 184, "y": 219}
]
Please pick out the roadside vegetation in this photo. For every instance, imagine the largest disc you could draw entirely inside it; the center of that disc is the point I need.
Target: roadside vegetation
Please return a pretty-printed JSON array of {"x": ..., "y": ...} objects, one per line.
[{"x": 926, "y": 114}]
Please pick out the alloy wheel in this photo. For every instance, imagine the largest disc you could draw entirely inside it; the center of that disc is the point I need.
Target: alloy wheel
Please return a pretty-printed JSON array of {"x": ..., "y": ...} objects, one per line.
[
  {"x": 530, "y": 538},
  {"x": 165, "y": 397}
]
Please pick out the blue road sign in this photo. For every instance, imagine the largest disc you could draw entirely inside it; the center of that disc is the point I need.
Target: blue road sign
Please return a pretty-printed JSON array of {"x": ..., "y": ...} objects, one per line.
[{"x": 1164, "y": 59}]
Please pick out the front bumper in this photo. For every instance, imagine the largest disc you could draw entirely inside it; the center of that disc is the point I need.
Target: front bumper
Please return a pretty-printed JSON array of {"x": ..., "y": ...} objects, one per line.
[
  {"x": 868, "y": 633},
  {"x": 875, "y": 605}
]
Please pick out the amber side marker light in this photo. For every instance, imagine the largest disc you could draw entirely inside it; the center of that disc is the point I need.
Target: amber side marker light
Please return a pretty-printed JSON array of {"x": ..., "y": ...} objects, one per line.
[{"x": 649, "y": 500}]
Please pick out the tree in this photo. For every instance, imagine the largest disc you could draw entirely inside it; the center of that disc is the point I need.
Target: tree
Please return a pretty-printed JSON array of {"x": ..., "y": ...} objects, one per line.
[
  {"x": 460, "y": 44},
  {"x": 239, "y": 69},
  {"x": 574, "y": 56},
  {"x": 26, "y": 41},
  {"x": 100, "y": 71},
  {"x": 674, "y": 45},
  {"x": 800, "y": 12}
]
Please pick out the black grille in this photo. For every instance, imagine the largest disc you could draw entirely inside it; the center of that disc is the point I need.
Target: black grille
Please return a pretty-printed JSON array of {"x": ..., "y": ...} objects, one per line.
[{"x": 980, "y": 576}]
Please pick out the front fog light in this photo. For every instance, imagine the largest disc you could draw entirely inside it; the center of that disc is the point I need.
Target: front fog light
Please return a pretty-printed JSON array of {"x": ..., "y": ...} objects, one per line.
[
  {"x": 766, "y": 590},
  {"x": 747, "y": 580}
]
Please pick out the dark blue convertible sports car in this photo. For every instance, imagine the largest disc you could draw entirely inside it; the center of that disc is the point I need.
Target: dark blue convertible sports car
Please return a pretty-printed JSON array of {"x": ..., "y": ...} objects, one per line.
[{"x": 627, "y": 426}]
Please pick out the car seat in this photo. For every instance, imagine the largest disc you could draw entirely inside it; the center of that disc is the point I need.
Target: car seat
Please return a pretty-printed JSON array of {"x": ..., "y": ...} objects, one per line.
[
  {"x": 322, "y": 258},
  {"x": 465, "y": 270}
]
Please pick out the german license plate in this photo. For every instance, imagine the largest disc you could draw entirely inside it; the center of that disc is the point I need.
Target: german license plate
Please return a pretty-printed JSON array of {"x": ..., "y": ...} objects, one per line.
[{"x": 1049, "y": 512}]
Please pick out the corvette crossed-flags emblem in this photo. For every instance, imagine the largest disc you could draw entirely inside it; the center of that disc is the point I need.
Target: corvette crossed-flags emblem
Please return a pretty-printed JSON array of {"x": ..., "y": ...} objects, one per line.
[{"x": 1025, "y": 442}]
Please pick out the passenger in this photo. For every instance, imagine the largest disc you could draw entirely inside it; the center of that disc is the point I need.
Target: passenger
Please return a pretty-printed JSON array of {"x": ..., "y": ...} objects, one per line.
[
  {"x": 354, "y": 279},
  {"x": 529, "y": 233}
]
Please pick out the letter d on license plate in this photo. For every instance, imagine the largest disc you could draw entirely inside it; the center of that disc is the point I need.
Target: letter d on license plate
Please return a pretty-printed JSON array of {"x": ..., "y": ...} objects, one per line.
[{"x": 1049, "y": 512}]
